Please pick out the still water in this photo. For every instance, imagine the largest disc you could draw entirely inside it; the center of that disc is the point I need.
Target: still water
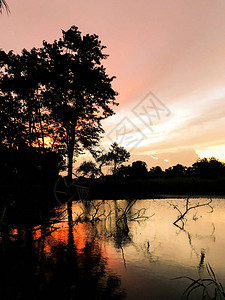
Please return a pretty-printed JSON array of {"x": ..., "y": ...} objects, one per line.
[{"x": 114, "y": 250}]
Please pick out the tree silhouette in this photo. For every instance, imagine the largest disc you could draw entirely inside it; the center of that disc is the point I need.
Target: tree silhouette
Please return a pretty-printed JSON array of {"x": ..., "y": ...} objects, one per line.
[
  {"x": 208, "y": 168},
  {"x": 139, "y": 169},
  {"x": 176, "y": 171},
  {"x": 117, "y": 155},
  {"x": 88, "y": 169},
  {"x": 102, "y": 159},
  {"x": 156, "y": 172},
  {"x": 25, "y": 122},
  {"x": 124, "y": 171},
  {"x": 78, "y": 92},
  {"x": 25, "y": 118},
  {"x": 56, "y": 97}
]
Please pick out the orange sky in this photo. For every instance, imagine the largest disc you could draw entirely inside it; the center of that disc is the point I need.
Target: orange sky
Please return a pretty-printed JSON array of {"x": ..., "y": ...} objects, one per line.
[{"x": 173, "y": 48}]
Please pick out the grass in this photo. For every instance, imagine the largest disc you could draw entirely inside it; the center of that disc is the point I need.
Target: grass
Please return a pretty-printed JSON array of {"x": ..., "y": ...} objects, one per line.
[{"x": 209, "y": 288}]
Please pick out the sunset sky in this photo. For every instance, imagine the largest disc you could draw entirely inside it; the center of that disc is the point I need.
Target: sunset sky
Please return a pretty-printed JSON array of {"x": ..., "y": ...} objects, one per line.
[{"x": 168, "y": 54}]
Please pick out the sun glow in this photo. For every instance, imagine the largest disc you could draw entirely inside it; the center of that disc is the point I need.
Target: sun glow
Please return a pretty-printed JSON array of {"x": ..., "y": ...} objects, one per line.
[{"x": 217, "y": 151}]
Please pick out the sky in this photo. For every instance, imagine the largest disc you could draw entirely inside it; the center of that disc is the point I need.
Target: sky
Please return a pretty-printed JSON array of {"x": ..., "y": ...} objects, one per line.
[{"x": 168, "y": 57}]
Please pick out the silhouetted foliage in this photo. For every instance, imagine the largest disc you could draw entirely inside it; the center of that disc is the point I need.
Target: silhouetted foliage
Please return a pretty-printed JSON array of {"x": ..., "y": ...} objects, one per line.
[
  {"x": 117, "y": 155},
  {"x": 78, "y": 92},
  {"x": 209, "y": 288},
  {"x": 114, "y": 157},
  {"x": 133, "y": 181},
  {"x": 27, "y": 166},
  {"x": 203, "y": 168},
  {"x": 88, "y": 169},
  {"x": 124, "y": 171},
  {"x": 25, "y": 123},
  {"x": 208, "y": 168},
  {"x": 25, "y": 118},
  {"x": 176, "y": 171},
  {"x": 156, "y": 172},
  {"x": 139, "y": 169},
  {"x": 53, "y": 99}
]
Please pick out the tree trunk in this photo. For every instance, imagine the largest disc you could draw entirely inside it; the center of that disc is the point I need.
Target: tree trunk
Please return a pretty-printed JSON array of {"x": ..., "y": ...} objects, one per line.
[
  {"x": 71, "y": 143},
  {"x": 41, "y": 128},
  {"x": 70, "y": 154}
]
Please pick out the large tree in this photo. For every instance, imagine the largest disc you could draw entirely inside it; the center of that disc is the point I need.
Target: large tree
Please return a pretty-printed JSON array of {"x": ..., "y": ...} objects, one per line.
[
  {"x": 117, "y": 155},
  {"x": 78, "y": 93},
  {"x": 56, "y": 96}
]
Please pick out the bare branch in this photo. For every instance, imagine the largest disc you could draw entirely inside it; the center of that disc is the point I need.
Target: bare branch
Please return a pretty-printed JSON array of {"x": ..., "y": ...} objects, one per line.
[{"x": 188, "y": 208}]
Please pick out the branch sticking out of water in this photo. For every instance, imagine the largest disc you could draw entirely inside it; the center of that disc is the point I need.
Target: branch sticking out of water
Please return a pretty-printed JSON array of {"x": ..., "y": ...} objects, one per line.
[{"x": 188, "y": 207}]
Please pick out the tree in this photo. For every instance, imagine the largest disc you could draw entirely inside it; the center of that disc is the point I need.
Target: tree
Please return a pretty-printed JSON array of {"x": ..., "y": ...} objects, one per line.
[
  {"x": 24, "y": 126},
  {"x": 117, "y": 155},
  {"x": 156, "y": 172},
  {"x": 139, "y": 169},
  {"x": 208, "y": 168},
  {"x": 56, "y": 96},
  {"x": 22, "y": 108},
  {"x": 78, "y": 92},
  {"x": 176, "y": 171},
  {"x": 124, "y": 171},
  {"x": 101, "y": 158},
  {"x": 88, "y": 169}
]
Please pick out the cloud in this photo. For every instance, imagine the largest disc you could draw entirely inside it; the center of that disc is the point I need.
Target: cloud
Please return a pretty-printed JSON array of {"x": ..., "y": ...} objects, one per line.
[
  {"x": 185, "y": 157},
  {"x": 196, "y": 121},
  {"x": 173, "y": 48}
]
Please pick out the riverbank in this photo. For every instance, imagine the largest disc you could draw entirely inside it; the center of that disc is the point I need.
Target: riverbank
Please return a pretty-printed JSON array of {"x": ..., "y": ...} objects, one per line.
[
  {"x": 34, "y": 203},
  {"x": 113, "y": 188}
]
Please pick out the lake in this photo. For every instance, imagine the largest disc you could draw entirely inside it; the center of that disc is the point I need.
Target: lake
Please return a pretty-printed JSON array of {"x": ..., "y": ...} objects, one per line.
[{"x": 115, "y": 250}]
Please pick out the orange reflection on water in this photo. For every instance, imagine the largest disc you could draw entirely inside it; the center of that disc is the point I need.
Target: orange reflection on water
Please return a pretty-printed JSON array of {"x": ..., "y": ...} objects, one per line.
[{"x": 59, "y": 234}]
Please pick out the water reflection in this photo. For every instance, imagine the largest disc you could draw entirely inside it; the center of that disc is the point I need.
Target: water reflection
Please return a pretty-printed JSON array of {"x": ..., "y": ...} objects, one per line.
[
  {"x": 111, "y": 250},
  {"x": 64, "y": 261}
]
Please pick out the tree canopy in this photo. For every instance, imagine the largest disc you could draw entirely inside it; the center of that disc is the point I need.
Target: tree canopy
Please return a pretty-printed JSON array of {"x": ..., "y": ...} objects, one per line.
[
  {"x": 79, "y": 95},
  {"x": 56, "y": 96}
]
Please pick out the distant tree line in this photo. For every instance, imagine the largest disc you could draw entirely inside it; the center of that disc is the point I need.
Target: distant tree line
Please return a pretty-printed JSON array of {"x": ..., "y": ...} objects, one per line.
[
  {"x": 204, "y": 168},
  {"x": 135, "y": 181},
  {"x": 210, "y": 168}
]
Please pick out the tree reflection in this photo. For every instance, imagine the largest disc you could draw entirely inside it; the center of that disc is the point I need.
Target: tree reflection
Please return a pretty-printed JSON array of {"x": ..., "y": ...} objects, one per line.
[
  {"x": 121, "y": 233},
  {"x": 64, "y": 258},
  {"x": 45, "y": 263},
  {"x": 191, "y": 236}
]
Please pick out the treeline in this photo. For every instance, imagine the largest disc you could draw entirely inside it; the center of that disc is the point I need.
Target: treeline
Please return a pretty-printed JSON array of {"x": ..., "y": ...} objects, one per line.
[
  {"x": 210, "y": 168},
  {"x": 205, "y": 177}
]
